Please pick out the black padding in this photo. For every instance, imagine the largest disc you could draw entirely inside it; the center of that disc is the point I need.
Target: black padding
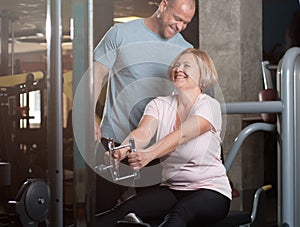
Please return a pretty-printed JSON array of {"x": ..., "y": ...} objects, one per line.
[
  {"x": 124, "y": 223},
  {"x": 234, "y": 218},
  {"x": 5, "y": 178}
]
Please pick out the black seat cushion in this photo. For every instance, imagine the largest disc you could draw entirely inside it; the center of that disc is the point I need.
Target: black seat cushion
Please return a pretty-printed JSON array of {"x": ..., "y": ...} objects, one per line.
[{"x": 234, "y": 218}]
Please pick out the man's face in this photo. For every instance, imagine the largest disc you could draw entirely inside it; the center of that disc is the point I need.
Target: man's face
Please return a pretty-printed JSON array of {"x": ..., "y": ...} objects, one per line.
[{"x": 175, "y": 17}]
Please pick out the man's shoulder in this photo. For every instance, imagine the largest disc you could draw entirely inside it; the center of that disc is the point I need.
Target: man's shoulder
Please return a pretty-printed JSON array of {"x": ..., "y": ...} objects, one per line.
[
  {"x": 179, "y": 40},
  {"x": 138, "y": 32},
  {"x": 134, "y": 24}
]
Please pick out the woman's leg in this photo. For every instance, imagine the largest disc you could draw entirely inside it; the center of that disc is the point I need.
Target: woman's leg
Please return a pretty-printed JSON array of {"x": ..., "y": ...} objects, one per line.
[
  {"x": 149, "y": 203},
  {"x": 198, "y": 208}
]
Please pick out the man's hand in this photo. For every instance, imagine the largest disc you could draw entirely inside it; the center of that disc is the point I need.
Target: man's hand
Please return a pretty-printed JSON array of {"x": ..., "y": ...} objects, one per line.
[
  {"x": 120, "y": 154},
  {"x": 110, "y": 160}
]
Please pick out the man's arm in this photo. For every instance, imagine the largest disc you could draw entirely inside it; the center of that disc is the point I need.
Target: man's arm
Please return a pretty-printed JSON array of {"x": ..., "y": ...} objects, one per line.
[{"x": 100, "y": 71}]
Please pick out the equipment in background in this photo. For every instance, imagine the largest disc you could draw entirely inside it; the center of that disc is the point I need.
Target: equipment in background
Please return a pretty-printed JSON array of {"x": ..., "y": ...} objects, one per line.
[
  {"x": 23, "y": 120},
  {"x": 30, "y": 207},
  {"x": 32, "y": 202},
  {"x": 240, "y": 218}
]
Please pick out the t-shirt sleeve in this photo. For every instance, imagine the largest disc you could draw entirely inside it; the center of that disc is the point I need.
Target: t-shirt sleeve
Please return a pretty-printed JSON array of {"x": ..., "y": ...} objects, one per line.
[
  {"x": 106, "y": 50},
  {"x": 210, "y": 110},
  {"x": 152, "y": 108}
]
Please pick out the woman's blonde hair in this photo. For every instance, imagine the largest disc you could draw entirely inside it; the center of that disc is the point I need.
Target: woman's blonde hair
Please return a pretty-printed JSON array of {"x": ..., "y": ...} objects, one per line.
[{"x": 207, "y": 69}]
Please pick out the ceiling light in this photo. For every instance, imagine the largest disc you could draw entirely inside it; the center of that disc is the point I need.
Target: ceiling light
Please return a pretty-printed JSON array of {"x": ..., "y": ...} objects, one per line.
[
  {"x": 71, "y": 28},
  {"x": 39, "y": 34}
]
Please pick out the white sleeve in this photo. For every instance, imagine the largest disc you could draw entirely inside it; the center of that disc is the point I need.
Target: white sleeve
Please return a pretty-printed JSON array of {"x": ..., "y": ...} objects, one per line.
[{"x": 209, "y": 109}]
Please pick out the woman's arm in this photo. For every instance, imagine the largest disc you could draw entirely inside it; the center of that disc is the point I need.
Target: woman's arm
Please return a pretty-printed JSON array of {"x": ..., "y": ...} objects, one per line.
[
  {"x": 189, "y": 129},
  {"x": 142, "y": 135}
]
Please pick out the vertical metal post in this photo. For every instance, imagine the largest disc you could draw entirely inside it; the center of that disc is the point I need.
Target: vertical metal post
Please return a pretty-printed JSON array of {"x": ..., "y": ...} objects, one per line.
[
  {"x": 12, "y": 48},
  {"x": 83, "y": 87},
  {"x": 287, "y": 137},
  {"x": 297, "y": 136},
  {"x": 4, "y": 43},
  {"x": 279, "y": 151},
  {"x": 91, "y": 201},
  {"x": 54, "y": 111}
]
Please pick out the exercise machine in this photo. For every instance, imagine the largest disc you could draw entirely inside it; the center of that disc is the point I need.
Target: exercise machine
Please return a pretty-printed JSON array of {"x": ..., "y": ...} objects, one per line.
[{"x": 113, "y": 167}]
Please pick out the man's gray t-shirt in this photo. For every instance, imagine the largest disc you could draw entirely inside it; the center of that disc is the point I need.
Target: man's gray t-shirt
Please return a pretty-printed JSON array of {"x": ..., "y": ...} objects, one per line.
[{"x": 139, "y": 60}]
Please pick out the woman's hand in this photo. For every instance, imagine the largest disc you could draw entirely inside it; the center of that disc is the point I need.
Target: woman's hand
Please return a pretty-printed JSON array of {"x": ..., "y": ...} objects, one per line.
[{"x": 139, "y": 159}]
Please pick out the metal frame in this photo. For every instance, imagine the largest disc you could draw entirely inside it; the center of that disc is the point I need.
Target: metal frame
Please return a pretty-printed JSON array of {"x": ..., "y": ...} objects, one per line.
[
  {"x": 242, "y": 136},
  {"x": 54, "y": 112},
  {"x": 289, "y": 133},
  {"x": 297, "y": 137}
]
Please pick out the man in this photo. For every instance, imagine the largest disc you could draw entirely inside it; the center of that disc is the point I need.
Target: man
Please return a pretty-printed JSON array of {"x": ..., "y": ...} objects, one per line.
[{"x": 136, "y": 56}]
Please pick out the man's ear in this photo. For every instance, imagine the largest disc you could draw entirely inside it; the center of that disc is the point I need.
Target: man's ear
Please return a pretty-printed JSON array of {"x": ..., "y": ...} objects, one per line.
[{"x": 163, "y": 5}]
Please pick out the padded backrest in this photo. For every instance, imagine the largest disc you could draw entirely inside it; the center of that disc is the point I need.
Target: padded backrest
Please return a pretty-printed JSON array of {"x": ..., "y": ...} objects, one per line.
[{"x": 268, "y": 94}]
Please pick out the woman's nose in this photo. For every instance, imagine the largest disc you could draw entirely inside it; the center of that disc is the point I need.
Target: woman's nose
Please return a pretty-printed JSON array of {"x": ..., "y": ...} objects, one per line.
[{"x": 179, "y": 69}]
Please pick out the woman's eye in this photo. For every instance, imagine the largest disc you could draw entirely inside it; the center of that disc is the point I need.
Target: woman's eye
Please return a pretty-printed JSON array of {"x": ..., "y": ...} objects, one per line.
[
  {"x": 176, "y": 65},
  {"x": 187, "y": 66}
]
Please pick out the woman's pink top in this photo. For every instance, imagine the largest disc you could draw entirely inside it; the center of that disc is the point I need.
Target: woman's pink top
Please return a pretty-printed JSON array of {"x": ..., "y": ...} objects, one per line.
[{"x": 196, "y": 164}]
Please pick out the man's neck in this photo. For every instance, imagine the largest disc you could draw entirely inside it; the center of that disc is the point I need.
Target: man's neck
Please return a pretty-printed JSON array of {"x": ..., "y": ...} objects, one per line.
[{"x": 152, "y": 24}]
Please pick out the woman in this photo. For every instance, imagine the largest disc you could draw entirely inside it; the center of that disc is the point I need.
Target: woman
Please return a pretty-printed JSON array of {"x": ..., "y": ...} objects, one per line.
[{"x": 195, "y": 189}]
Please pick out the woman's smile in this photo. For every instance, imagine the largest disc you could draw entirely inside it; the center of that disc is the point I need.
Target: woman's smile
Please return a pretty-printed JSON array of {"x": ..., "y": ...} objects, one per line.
[{"x": 180, "y": 76}]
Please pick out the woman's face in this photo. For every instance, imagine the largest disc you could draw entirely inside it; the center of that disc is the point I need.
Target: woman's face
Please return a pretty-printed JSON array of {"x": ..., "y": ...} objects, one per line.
[{"x": 185, "y": 72}]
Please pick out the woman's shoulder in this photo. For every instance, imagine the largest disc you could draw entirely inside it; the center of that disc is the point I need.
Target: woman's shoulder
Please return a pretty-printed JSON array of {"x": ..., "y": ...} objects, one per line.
[
  {"x": 161, "y": 101},
  {"x": 207, "y": 98},
  {"x": 168, "y": 98}
]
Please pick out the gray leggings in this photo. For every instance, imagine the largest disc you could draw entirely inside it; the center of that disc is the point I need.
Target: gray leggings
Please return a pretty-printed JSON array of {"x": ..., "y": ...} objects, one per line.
[{"x": 170, "y": 208}]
